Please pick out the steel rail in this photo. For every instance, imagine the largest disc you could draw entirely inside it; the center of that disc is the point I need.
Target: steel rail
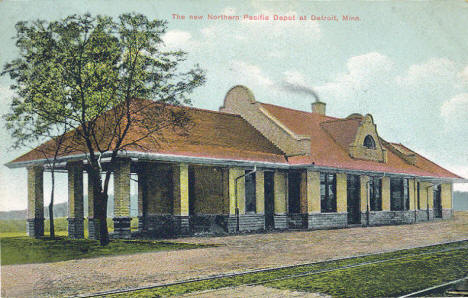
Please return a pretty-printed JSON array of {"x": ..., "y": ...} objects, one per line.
[{"x": 220, "y": 276}]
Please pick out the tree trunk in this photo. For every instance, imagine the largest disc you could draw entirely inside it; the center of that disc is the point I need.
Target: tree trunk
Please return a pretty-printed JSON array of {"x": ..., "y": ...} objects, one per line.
[
  {"x": 100, "y": 205},
  {"x": 101, "y": 211},
  {"x": 51, "y": 206}
]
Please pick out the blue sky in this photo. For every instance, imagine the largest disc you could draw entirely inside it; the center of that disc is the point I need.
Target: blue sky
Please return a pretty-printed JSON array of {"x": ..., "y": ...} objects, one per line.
[{"x": 406, "y": 63}]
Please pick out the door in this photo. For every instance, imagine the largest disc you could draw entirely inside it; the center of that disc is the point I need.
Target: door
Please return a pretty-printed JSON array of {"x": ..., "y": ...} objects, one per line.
[
  {"x": 354, "y": 199},
  {"x": 294, "y": 191},
  {"x": 437, "y": 202},
  {"x": 269, "y": 201}
]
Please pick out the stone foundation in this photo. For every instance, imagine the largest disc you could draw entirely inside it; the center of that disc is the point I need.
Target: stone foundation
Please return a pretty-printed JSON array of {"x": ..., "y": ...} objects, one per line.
[
  {"x": 280, "y": 221},
  {"x": 76, "y": 228},
  {"x": 35, "y": 227},
  {"x": 93, "y": 228},
  {"x": 447, "y": 213},
  {"x": 122, "y": 227},
  {"x": 164, "y": 225},
  {"x": 141, "y": 225},
  {"x": 181, "y": 225},
  {"x": 247, "y": 223},
  {"x": 210, "y": 224},
  {"x": 327, "y": 220},
  {"x": 389, "y": 217},
  {"x": 421, "y": 215},
  {"x": 170, "y": 225},
  {"x": 297, "y": 221}
]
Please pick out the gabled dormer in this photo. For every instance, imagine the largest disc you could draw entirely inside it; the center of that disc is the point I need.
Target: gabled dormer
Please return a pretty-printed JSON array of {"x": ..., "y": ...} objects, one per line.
[{"x": 357, "y": 135}]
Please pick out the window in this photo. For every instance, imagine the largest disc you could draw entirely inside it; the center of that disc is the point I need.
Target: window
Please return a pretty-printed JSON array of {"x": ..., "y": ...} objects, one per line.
[
  {"x": 375, "y": 194},
  {"x": 369, "y": 142},
  {"x": 250, "y": 193},
  {"x": 328, "y": 192},
  {"x": 399, "y": 194}
]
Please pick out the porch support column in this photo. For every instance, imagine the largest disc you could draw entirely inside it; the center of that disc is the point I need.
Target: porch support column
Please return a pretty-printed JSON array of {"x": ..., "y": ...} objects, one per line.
[
  {"x": 93, "y": 224},
  {"x": 260, "y": 192},
  {"x": 312, "y": 185},
  {"x": 385, "y": 194},
  {"x": 35, "y": 221},
  {"x": 341, "y": 193},
  {"x": 280, "y": 190},
  {"x": 411, "y": 194},
  {"x": 446, "y": 200},
  {"x": 142, "y": 190},
  {"x": 122, "y": 217},
  {"x": 365, "y": 200},
  {"x": 236, "y": 198},
  {"x": 180, "y": 183},
  {"x": 75, "y": 200}
]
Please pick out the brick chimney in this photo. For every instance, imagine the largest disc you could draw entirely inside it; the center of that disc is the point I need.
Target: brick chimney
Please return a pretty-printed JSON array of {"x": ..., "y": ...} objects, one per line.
[{"x": 318, "y": 107}]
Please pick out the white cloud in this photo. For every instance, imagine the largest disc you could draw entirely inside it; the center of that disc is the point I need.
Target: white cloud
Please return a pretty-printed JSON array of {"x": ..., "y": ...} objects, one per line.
[
  {"x": 275, "y": 54},
  {"x": 434, "y": 70},
  {"x": 249, "y": 73},
  {"x": 177, "y": 39},
  {"x": 363, "y": 72},
  {"x": 456, "y": 109},
  {"x": 463, "y": 76},
  {"x": 294, "y": 77}
]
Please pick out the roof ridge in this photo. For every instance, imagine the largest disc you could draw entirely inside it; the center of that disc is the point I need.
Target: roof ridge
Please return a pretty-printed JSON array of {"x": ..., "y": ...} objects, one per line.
[
  {"x": 295, "y": 110},
  {"x": 194, "y": 108},
  {"x": 339, "y": 119}
]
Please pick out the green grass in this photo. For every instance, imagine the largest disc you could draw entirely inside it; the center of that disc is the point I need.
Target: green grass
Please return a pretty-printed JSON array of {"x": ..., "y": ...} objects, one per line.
[
  {"x": 333, "y": 286},
  {"x": 25, "y": 250},
  {"x": 393, "y": 278},
  {"x": 17, "y": 227}
]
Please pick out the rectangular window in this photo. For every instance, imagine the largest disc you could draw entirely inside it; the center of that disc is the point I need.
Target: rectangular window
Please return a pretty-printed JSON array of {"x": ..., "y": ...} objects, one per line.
[
  {"x": 375, "y": 194},
  {"x": 399, "y": 194},
  {"x": 328, "y": 192},
  {"x": 250, "y": 193}
]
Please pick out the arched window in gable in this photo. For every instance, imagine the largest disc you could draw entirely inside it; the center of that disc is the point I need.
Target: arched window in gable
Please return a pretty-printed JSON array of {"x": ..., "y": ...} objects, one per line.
[{"x": 369, "y": 142}]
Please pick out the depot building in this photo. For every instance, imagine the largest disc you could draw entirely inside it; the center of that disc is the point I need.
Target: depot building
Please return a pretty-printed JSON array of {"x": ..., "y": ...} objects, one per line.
[{"x": 254, "y": 166}]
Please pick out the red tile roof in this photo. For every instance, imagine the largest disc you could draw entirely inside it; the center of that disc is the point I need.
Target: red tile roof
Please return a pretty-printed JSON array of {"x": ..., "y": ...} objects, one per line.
[
  {"x": 211, "y": 135},
  {"x": 342, "y": 130},
  {"x": 330, "y": 138},
  {"x": 227, "y": 136}
]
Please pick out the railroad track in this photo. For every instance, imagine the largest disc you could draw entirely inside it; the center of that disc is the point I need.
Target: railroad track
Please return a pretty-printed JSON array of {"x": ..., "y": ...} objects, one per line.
[
  {"x": 431, "y": 290},
  {"x": 302, "y": 274}
]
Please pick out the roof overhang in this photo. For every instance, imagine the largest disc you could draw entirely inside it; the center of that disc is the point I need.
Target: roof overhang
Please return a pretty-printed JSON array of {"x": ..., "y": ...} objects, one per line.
[{"x": 145, "y": 156}]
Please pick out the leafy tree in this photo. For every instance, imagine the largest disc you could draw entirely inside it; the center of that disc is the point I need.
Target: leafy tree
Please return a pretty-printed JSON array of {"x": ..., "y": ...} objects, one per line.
[{"x": 88, "y": 74}]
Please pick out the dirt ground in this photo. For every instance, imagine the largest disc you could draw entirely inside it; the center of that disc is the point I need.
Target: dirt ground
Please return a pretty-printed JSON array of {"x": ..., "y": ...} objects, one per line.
[
  {"x": 253, "y": 291},
  {"x": 237, "y": 254}
]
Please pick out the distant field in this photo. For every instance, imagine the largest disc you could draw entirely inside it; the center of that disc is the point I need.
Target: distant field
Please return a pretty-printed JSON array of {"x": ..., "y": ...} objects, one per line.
[{"x": 17, "y": 227}]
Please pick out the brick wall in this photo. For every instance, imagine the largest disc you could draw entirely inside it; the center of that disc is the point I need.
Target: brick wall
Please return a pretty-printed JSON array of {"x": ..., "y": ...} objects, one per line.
[
  {"x": 240, "y": 100},
  {"x": 389, "y": 217}
]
